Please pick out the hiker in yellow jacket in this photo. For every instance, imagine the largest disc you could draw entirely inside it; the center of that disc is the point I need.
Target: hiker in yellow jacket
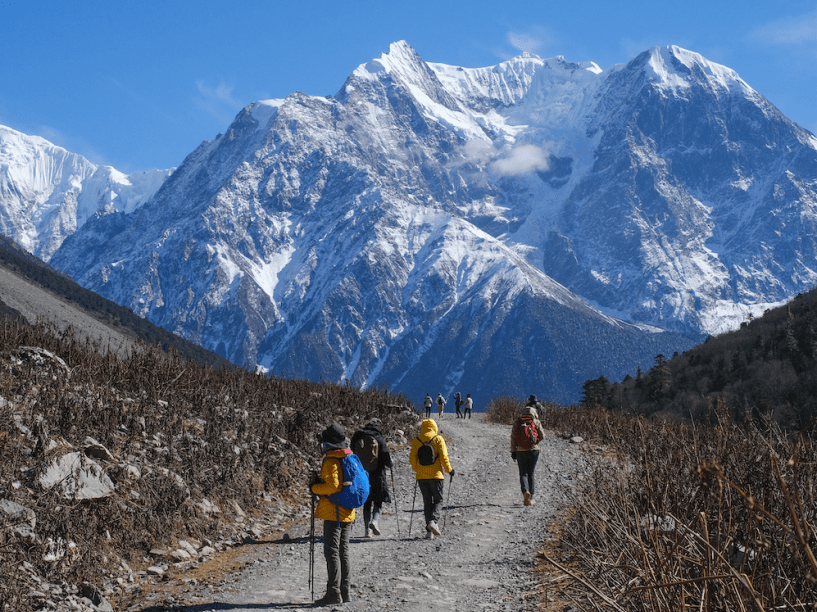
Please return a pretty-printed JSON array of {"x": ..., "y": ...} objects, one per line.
[
  {"x": 337, "y": 520},
  {"x": 429, "y": 460}
]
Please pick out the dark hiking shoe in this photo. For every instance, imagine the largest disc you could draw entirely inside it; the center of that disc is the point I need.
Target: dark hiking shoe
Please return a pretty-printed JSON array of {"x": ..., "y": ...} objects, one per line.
[
  {"x": 344, "y": 594},
  {"x": 329, "y": 599}
]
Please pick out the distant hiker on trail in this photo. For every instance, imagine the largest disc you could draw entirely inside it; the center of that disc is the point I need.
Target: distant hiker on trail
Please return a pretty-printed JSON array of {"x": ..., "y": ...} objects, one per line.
[
  {"x": 526, "y": 435},
  {"x": 458, "y": 403},
  {"x": 533, "y": 403},
  {"x": 429, "y": 459},
  {"x": 369, "y": 445},
  {"x": 337, "y": 520},
  {"x": 427, "y": 403},
  {"x": 440, "y": 405},
  {"x": 469, "y": 403}
]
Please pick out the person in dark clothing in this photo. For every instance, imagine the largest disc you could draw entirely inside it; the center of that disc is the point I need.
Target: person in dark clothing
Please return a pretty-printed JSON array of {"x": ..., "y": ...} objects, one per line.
[
  {"x": 378, "y": 482},
  {"x": 526, "y": 436},
  {"x": 427, "y": 403},
  {"x": 458, "y": 404}
]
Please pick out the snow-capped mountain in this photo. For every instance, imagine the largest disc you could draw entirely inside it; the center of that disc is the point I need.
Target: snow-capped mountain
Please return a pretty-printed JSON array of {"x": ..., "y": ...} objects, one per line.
[
  {"x": 46, "y": 193},
  {"x": 710, "y": 190},
  {"x": 433, "y": 227}
]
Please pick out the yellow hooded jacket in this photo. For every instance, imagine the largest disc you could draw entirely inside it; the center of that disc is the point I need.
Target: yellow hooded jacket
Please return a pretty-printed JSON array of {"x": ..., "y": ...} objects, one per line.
[
  {"x": 332, "y": 476},
  {"x": 428, "y": 431}
]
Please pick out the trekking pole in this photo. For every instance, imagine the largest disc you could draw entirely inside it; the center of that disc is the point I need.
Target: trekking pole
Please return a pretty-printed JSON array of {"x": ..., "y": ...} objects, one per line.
[
  {"x": 412, "y": 507},
  {"x": 396, "y": 508},
  {"x": 448, "y": 501},
  {"x": 312, "y": 550}
]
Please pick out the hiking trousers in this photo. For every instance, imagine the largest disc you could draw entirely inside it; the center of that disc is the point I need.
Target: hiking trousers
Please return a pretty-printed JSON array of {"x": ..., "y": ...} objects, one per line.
[
  {"x": 526, "y": 460},
  {"x": 371, "y": 512},
  {"x": 336, "y": 551},
  {"x": 432, "y": 491}
]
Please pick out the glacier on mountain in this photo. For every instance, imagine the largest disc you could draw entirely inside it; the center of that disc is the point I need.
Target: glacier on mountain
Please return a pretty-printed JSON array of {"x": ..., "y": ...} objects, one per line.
[
  {"x": 433, "y": 227},
  {"x": 46, "y": 193}
]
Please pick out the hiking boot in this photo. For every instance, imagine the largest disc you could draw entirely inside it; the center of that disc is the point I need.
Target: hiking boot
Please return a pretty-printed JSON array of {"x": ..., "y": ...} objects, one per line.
[
  {"x": 432, "y": 528},
  {"x": 344, "y": 595},
  {"x": 429, "y": 535},
  {"x": 367, "y": 534},
  {"x": 528, "y": 499},
  {"x": 329, "y": 599},
  {"x": 373, "y": 527}
]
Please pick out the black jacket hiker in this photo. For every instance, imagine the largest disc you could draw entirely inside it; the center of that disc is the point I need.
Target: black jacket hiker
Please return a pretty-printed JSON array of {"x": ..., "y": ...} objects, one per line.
[{"x": 378, "y": 479}]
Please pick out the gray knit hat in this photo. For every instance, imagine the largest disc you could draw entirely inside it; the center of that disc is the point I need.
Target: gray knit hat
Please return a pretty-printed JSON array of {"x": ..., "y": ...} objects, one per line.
[{"x": 334, "y": 438}]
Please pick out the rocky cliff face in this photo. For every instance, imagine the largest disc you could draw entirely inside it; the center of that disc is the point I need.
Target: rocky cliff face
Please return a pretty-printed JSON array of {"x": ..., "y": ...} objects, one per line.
[
  {"x": 432, "y": 227},
  {"x": 700, "y": 205},
  {"x": 46, "y": 193}
]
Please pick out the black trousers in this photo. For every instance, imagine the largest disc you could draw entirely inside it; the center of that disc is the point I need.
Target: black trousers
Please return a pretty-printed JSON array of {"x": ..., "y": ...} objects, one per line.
[
  {"x": 336, "y": 551},
  {"x": 526, "y": 460},
  {"x": 432, "y": 490}
]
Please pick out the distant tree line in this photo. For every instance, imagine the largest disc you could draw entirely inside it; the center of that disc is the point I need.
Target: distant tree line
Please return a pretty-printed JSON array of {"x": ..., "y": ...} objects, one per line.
[{"x": 769, "y": 365}]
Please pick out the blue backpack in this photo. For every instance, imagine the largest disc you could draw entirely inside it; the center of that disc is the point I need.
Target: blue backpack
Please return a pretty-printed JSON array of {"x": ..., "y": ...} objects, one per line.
[{"x": 355, "y": 494}]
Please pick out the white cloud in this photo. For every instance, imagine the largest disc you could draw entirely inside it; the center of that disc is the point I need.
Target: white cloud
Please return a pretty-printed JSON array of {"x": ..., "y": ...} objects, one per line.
[
  {"x": 218, "y": 101},
  {"x": 800, "y": 30},
  {"x": 532, "y": 40},
  {"x": 521, "y": 160},
  {"x": 478, "y": 151}
]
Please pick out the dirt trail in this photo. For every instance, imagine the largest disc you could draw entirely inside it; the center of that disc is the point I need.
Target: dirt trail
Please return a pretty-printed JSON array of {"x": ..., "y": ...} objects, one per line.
[{"x": 483, "y": 560}]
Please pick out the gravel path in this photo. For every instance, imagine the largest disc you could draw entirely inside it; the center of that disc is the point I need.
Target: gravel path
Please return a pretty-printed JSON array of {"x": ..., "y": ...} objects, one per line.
[{"x": 483, "y": 560}]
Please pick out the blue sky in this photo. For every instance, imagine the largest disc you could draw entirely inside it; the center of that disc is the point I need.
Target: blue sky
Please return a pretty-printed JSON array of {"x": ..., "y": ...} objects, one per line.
[{"x": 139, "y": 84}]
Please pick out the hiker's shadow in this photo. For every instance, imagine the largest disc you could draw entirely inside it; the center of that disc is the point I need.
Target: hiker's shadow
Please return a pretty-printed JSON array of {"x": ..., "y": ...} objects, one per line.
[
  {"x": 280, "y": 541},
  {"x": 460, "y": 507},
  {"x": 218, "y": 606}
]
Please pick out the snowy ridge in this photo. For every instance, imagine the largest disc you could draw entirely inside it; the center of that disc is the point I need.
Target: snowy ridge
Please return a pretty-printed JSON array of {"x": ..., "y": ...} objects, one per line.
[
  {"x": 46, "y": 193},
  {"x": 510, "y": 229}
]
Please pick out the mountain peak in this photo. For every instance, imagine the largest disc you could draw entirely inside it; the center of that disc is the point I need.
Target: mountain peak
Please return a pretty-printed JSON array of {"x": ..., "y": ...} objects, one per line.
[
  {"x": 410, "y": 230},
  {"x": 671, "y": 67},
  {"x": 400, "y": 59}
]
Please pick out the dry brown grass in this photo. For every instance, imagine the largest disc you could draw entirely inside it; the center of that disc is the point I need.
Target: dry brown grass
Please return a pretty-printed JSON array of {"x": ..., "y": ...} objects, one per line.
[
  {"x": 705, "y": 518},
  {"x": 231, "y": 435},
  {"x": 689, "y": 516}
]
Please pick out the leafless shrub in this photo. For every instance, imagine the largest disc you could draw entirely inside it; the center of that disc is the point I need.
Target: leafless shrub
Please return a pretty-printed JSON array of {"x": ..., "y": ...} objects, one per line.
[
  {"x": 690, "y": 516},
  {"x": 503, "y": 410},
  {"x": 227, "y": 435}
]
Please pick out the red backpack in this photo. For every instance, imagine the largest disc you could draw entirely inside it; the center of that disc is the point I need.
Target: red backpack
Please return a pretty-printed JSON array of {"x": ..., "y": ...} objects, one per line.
[{"x": 527, "y": 434}]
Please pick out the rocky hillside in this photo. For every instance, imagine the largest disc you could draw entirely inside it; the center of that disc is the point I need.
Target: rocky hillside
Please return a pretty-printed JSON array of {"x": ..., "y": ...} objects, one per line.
[
  {"x": 33, "y": 290},
  {"x": 112, "y": 469}
]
